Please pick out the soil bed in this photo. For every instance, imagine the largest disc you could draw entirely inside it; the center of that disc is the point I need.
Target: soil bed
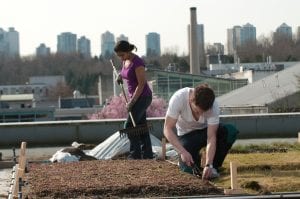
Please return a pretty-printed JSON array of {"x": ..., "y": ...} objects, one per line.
[{"x": 113, "y": 178}]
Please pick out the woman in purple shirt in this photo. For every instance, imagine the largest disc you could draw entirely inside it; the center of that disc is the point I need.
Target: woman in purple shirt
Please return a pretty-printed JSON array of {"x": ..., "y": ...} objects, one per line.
[{"x": 140, "y": 94}]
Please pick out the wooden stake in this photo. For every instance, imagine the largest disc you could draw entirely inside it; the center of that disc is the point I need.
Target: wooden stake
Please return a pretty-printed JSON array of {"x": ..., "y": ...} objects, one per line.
[
  {"x": 22, "y": 166},
  {"x": 22, "y": 159},
  {"x": 163, "y": 148},
  {"x": 20, "y": 170},
  {"x": 298, "y": 137},
  {"x": 234, "y": 185},
  {"x": 15, "y": 188},
  {"x": 23, "y": 148},
  {"x": 233, "y": 175}
]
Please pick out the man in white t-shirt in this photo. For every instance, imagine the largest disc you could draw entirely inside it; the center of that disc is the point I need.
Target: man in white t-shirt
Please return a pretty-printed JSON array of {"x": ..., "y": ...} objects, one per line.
[{"x": 195, "y": 114}]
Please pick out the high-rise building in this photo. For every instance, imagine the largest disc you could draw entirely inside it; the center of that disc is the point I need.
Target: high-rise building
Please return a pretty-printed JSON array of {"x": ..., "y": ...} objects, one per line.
[
  {"x": 9, "y": 42},
  {"x": 122, "y": 37},
  {"x": 248, "y": 34},
  {"x": 233, "y": 39},
  {"x": 239, "y": 36},
  {"x": 42, "y": 50},
  {"x": 298, "y": 33},
  {"x": 107, "y": 44},
  {"x": 3, "y": 43},
  {"x": 283, "y": 32},
  {"x": 84, "y": 47},
  {"x": 152, "y": 44},
  {"x": 215, "y": 49},
  {"x": 230, "y": 40},
  {"x": 66, "y": 43},
  {"x": 13, "y": 42}
]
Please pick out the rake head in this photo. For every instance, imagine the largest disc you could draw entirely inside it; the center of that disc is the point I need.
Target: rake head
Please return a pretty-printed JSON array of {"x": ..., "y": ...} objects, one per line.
[{"x": 135, "y": 131}]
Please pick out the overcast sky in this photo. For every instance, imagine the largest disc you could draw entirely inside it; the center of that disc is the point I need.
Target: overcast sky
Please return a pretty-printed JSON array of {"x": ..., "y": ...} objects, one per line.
[{"x": 40, "y": 21}]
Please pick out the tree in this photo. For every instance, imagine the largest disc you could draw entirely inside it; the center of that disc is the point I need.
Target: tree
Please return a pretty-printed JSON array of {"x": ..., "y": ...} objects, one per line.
[
  {"x": 60, "y": 90},
  {"x": 86, "y": 82},
  {"x": 183, "y": 64},
  {"x": 115, "y": 108}
]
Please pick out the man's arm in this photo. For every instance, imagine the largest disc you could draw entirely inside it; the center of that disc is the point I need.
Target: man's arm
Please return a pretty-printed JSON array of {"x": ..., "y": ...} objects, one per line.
[
  {"x": 169, "y": 125},
  {"x": 210, "y": 148}
]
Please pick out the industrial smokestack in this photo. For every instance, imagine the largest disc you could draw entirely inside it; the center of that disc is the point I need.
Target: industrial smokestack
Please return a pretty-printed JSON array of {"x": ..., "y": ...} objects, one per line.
[{"x": 194, "y": 55}]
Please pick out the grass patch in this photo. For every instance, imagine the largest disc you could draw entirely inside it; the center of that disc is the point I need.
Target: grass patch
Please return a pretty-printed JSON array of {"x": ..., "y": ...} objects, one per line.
[
  {"x": 279, "y": 147},
  {"x": 262, "y": 169}
]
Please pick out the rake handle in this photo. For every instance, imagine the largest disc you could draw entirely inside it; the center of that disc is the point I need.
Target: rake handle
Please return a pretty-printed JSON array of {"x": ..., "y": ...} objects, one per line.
[
  {"x": 129, "y": 112},
  {"x": 123, "y": 91}
]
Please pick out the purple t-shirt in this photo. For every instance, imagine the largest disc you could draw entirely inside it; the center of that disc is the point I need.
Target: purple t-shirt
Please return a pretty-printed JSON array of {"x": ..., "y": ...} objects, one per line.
[{"x": 129, "y": 75}]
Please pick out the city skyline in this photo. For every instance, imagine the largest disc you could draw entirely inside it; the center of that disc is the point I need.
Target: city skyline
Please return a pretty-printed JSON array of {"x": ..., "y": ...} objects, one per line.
[{"x": 41, "y": 21}]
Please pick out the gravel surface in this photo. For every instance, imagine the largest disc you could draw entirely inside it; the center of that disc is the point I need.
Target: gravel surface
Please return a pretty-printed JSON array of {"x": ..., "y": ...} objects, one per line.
[
  {"x": 5, "y": 180},
  {"x": 113, "y": 179}
]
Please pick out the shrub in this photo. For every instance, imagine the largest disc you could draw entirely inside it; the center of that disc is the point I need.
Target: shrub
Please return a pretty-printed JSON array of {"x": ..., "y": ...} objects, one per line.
[{"x": 115, "y": 108}]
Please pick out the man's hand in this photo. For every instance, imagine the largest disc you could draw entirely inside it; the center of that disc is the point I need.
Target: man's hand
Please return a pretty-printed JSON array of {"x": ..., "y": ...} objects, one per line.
[
  {"x": 207, "y": 172},
  {"x": 187, "y": 158}
]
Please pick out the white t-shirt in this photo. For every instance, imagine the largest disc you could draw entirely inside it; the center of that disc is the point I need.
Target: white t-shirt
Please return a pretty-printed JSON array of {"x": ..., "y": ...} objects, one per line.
[{"x": 179, "y": 108}]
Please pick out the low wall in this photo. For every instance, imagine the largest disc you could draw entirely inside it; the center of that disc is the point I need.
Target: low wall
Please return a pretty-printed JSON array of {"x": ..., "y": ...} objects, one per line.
[{"x": 285, "y": 125}]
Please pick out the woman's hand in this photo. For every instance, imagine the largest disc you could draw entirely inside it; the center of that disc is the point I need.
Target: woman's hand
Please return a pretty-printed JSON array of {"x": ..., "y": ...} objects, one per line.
[
  {"x": 130, "y": 104},
  {"x": 119, "y": 79}
]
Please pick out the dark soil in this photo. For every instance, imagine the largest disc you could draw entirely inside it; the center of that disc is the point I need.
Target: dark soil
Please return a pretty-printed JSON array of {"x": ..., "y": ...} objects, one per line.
[{"x": 112, "y": 179}]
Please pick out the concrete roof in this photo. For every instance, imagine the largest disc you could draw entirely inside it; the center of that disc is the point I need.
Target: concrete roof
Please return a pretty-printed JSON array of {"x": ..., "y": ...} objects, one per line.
[
  {"x": 264, "y": 91},
  {"x": 17, "y": 97}
]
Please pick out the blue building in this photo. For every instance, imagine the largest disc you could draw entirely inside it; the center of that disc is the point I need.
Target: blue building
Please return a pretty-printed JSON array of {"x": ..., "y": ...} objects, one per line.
[
  {"x": 67, "y": 43},
  {"x": 153, "y": 44},
  {"x": 107, "y": 44}
]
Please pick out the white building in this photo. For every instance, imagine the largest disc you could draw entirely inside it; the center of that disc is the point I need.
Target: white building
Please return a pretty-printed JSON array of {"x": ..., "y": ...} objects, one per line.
[
  {"x": 38, "y": 86},
  {"x": 47, "y": 80},
  {"x": 38, "y": 90}
]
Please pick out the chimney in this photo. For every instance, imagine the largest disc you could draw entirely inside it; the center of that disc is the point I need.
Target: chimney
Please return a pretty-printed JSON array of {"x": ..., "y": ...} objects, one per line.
[{"x": 194, "y": 55}]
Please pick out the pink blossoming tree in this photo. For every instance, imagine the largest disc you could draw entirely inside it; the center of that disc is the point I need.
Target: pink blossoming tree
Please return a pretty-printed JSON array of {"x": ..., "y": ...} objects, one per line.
[{"x": 115, "y": 108}]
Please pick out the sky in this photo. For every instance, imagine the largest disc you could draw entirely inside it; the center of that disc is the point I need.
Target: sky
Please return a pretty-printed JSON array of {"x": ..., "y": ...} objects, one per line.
[{"x": 40, "y": 21}]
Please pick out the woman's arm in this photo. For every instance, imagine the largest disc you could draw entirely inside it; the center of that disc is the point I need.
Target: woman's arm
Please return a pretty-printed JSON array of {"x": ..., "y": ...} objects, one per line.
[{"x": 141, "y": 78}]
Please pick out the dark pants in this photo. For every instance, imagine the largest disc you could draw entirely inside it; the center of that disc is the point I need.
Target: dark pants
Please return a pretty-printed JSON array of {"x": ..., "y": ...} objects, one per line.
[
  {"x": 197, "y": 139},
  {"x": 140, "y": 145}
]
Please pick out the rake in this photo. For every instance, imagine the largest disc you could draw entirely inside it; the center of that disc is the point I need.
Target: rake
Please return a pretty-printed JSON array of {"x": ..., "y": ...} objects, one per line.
[{"x": 136, "y": 130}]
